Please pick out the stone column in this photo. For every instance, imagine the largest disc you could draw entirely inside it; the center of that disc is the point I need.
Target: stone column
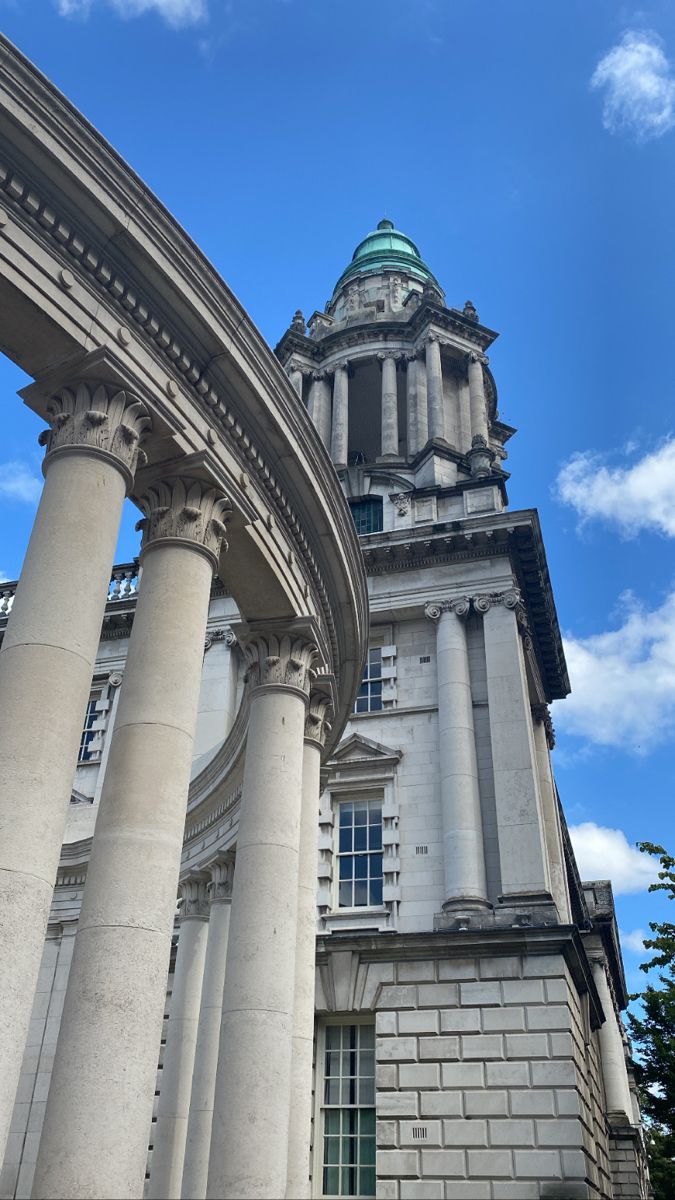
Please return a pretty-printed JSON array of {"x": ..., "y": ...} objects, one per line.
[
  {"x": 422, "y": 404},
  {"x": 522, "y": 855},
  {"x": 97, "y": 1122},
  {"x": 340, "y": 433},
  {"x": 319, "y": 406},
  {"x": 463, "y": 850},
  {"x": 543, "y": 740},
  {"x": 249, "y": 1141},
  {"x": 166, "y": 1171},
  {"x": 295, "y": 376},
  {"x": 299, "y": 1130},
  {"x": 435, "y": 389},
  {"x": 46, "y": 666},
  {"x": 196, "y": 1163},
  {"x": 477, "y": 402},
  {"x": 389, "y": 442},
  {"x": 612, "y": 1055}
]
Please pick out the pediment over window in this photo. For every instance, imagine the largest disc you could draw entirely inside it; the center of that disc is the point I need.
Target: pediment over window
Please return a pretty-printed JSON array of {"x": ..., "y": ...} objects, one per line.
[{"x": 360, "y": 750}]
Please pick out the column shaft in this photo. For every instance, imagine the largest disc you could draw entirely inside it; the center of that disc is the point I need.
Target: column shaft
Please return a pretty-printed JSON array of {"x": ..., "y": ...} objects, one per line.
[
  {"x": 166, "y": 1171},
  {"x": 319, "y": 407},
  {"x": 297, "y": 1185},
  {"x": 422, "y": 405},
  {"x": 340, "y": 432},
  {"x": 248, "y": 1153},
  {"x": 389, "y": 444},
  {"x": 95, "y": 1137},
  {"x": 477, "y": 402},
  {"x": 435, "y": 390},
  {"x": 464, "y": 854},
  {"x": 46, "y": 666},
  {"x": 613, "y": 1058},
  {"x": 196, "y": 1162},
  {"x": 522, "y": 856}
]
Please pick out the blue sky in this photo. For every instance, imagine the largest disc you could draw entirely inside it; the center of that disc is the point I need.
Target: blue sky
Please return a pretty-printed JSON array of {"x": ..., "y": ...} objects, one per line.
[{"x": 528, "y": 148}]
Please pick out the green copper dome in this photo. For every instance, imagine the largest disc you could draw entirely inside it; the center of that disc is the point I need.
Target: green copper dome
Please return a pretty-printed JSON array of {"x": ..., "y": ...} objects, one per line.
[{"x": 387, "y": 249}]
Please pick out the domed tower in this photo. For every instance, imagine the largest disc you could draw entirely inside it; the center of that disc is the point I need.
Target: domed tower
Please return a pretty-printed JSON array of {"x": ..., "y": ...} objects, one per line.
[{"x": 399, "y": 388}]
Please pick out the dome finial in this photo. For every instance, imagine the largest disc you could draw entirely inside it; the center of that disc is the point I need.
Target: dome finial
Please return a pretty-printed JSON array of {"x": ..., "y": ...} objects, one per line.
[{"x": 385, "y": 223}]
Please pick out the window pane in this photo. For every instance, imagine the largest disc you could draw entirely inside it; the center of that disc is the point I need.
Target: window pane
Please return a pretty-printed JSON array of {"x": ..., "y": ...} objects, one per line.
[
  {"x": 333, "y": 1036},
  {"x": 376, "y": 891},
  {"x": 360, "y": 892},
  {"x": 332, "y": 1091},
  {"x": 375, "y": 837},
  {"x": 345, "y": 839},
  {"x": 345, "y": 896},
  {"x": 346, "y": 813},
  {"x": 375, "y": 866},
  {"x": 367, "y": 1091},
  {"x": 375, "y": 703},
  {"x": 331, "y": 1151},
  {"x": 347, "y": 867},
  {"x": 331, "y": 1181},
  {"x": 348, "y": 1159},
  {"x": 360, "y": 866},
  {"x": 360, "y": 814},
  {"x": 360, "y": 837},
  {"x": 367, "y": 1184},
  {"x": 367, "y": 1039},
  {"x": 332, "y": 1122},
  {"x": 367, "y": 1151}
]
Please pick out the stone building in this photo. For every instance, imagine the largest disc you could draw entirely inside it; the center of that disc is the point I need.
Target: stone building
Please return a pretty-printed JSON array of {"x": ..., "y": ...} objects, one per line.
[{"x": 385, "y": 979}]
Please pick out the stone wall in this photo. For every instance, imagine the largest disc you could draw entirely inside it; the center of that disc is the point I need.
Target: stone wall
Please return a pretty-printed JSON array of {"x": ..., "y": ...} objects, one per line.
[{"x": 488, "y": 1083}]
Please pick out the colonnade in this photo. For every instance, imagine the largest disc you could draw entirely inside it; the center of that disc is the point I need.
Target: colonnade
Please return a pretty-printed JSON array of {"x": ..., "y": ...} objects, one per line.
[
  {"x": 98, "y": 1113},
  {"x": 427, "y": 414},
  {"x": 520, "y": 820}
]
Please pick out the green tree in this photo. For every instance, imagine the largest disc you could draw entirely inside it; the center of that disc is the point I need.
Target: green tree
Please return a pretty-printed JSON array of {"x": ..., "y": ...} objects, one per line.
[{"x": 653, "y": 1035}]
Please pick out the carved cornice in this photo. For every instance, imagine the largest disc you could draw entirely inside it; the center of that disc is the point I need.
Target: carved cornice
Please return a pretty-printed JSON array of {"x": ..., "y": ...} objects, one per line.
[
  {"x": 98, "y": 418},
  {"x": 180, "y": 360},
  {"x": 279, "y": 659},
  {"x": 184, "y": 510},
  {"x": 194, "y": 896}
]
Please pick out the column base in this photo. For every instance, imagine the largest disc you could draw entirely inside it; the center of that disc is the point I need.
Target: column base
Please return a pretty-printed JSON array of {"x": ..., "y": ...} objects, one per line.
[
  {"x": 524, "y": 909},
  {"x": 464, "y": 914}
]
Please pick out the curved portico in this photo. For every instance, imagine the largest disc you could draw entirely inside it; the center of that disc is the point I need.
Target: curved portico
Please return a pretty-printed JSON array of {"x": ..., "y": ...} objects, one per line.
[{"x": 182, "y": 407}]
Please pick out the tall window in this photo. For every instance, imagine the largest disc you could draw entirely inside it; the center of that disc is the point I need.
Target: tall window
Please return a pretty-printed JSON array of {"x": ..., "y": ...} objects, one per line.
[
  {"x": 86, "y": 754},
  {"x": 348, "y": 1111},
  {"x": 369, "y": 698},
  {"x": 359, "y": 853},
  {"x": 367, "y": 514}
]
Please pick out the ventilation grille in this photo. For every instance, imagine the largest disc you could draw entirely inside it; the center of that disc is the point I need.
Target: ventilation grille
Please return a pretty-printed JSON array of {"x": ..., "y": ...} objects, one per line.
[
  {"x": 419, "y": 1133},
  {"x": 421, "y": 849},
  {"x": 425, "y": 658}
]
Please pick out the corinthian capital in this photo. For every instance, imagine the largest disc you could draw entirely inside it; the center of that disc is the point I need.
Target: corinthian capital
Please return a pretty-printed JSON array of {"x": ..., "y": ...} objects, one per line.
[
  {"x": 185, "y": 510},
  {"x": 110, "y": 421},
  {"x": 194, "y": 895},
  {"x": 317, "y": 725},
  {"x": 281, "y": 659},
  {"x": 222, "y": 877}
]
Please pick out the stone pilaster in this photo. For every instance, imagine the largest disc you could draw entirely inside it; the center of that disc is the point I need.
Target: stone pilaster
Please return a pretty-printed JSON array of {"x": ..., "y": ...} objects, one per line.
[
  {"x": 46, "y": 665},
  {"x": 300, "y": 1123},
  {"x": 94, "y": 1140},
  {"x": 249, "y": 1157},
  {"x": 198, "y": 1142},
  {"x": 174, "y": 1099},
  {"x": 463, "y": 848},
  {"x": 525, "y": 878}
]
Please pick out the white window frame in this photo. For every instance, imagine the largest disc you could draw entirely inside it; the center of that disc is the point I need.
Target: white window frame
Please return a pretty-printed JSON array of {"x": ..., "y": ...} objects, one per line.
[
  {"x": 380, "y": 640},
  {"x": 320, "y": 1108},
  {"x": 368, "y": 800},
  {"x": 90, "y": 737}
]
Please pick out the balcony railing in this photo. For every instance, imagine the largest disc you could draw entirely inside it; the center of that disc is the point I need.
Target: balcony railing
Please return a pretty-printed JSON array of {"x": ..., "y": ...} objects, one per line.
[{"x": 123, "y": 586}]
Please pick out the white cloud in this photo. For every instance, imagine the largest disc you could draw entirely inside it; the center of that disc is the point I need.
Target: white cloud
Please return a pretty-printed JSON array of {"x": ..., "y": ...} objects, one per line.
[
  {"x": 17, "y": 482},
  {"x": 633, "y": 940},
  {"x": 603, "y": 853},
  {"x": 638, "y": 85},
  {"x": 176, "y": 13},
  {"x": 623, "y": 681},
  {"x": 634, "y": 497}
]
